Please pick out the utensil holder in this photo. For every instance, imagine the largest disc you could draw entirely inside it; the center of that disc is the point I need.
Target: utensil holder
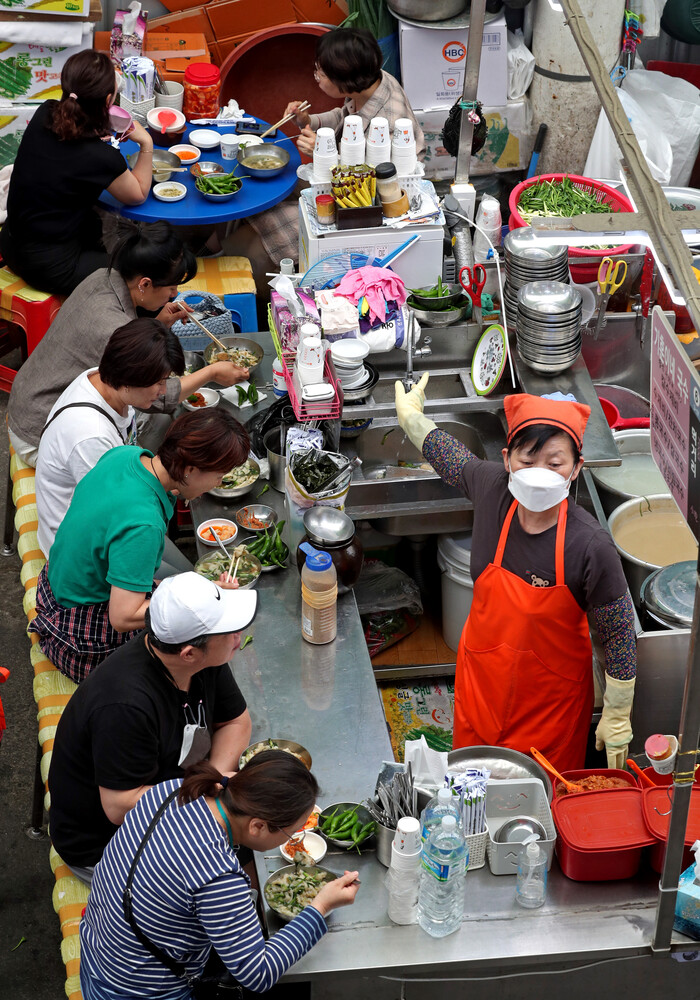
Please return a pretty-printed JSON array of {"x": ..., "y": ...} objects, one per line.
[
  {"x": 137, "y": 110},
  {"x": 476, "y": 845},
  {"x": 385, "y": 838}
]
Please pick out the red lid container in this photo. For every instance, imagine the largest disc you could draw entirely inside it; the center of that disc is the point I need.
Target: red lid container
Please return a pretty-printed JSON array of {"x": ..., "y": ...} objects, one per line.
[
  {"x": 665, "y": 779},
  {"x": 202, "y": 74},
  {"x": 656, "y": 806},
  {"x": 600, "y": 834}
]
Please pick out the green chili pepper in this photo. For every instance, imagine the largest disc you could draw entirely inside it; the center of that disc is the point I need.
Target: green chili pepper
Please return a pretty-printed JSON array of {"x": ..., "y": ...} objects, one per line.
[
  {"x": 265, "y": 488},
  {"x": 242, "y": 395},
  {"x": 253, "y": 393},
  {"x": 248, "y": 639}
]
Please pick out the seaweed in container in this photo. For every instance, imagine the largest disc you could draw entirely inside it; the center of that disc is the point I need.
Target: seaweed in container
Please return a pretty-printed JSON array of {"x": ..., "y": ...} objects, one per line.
[{"x": 313, "y": 470}]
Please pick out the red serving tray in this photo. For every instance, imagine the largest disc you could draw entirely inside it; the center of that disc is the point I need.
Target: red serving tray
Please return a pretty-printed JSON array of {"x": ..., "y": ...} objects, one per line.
[{"x": 656, "y": 805}]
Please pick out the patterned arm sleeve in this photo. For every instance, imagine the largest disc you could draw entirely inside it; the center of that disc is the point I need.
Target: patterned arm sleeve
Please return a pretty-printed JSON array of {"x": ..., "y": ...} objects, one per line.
[
  {"x": 229, "y": 918},
  {"x": 615, "y": 624},
  {"x": 447, "y": 455}
]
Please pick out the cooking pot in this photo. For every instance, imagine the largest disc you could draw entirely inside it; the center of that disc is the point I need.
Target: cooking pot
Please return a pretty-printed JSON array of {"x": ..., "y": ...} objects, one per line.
[
  {"x": 427, "y": 10},
  {"x": 637, "y": 476},
  {"x": 668, "y": 596}
]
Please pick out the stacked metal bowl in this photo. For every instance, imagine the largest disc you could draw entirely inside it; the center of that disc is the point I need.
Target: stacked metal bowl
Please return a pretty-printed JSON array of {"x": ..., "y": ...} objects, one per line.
[
  {"x": 528, "y": 259},
  {"x": 548, "y": 326}
]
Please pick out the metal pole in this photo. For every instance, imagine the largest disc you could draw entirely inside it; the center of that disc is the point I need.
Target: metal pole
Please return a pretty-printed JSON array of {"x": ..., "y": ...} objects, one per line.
[{"x": 471, "y": 81}]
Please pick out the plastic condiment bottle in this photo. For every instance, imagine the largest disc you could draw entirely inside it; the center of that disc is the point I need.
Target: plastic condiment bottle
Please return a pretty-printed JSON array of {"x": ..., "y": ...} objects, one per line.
[
  {"x": 531, "y": 882},
  {"x": 319, "y": 596},
  {"x": 388, "y": 187},
  {"x": 201, "y": 85}
]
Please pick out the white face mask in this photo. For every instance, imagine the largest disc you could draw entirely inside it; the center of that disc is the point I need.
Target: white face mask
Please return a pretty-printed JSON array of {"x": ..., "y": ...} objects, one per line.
[{"x": 538, "y": 489}]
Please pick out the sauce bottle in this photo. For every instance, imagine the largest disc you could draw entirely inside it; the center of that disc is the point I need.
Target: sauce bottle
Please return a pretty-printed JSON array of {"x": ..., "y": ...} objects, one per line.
[{"x": 319, "y": 596}]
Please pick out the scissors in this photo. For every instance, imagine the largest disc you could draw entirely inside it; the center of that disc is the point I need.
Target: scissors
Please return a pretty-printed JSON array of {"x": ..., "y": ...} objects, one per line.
[
  {"x": 473, "y": 286},
  {"x": 611, "y": 277}
]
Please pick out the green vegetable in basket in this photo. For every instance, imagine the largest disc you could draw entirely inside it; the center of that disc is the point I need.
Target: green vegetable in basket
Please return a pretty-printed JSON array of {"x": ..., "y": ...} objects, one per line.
[{"x": 561, "y": 198}]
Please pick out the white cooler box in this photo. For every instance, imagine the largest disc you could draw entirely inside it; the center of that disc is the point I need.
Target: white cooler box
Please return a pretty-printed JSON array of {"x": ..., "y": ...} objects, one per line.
[{"x": 419, "y": 265}]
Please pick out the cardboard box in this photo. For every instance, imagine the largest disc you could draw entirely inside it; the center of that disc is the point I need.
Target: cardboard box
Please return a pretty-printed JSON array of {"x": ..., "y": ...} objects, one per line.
[
  {"x": 33, "y": 72},
  {"x": 190, "y": 21},
  {"x": 508, "y": 145},
  {"x": 14, "y": 119},
  {"x": 321, "y": 11},
  {"x": 433, "y": 62},
  {"x": 171, "y": 67},
  {"x": 240, "y": 17}
]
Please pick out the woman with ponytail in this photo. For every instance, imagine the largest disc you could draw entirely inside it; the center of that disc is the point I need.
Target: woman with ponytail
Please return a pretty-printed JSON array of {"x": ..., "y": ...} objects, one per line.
[
  {"x": 52, "y": 237},
  {"x": 147, "y": 263},
  {"x": 188, "y": 891}
]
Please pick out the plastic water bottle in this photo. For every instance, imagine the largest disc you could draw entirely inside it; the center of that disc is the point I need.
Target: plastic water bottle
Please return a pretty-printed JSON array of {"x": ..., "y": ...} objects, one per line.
[
  {"x": 531, "y": 882},
  {"x": 441, "y": 892},
  {"x": 442, "y": 804}
]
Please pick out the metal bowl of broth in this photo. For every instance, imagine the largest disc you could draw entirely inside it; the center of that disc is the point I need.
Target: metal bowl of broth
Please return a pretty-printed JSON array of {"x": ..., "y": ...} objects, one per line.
[
  {"x": 212, "y": 354},
  {"x": 263, "y": 161},
  {"x": 650, "y": 532},
  {"x": 637, "y": 476}
]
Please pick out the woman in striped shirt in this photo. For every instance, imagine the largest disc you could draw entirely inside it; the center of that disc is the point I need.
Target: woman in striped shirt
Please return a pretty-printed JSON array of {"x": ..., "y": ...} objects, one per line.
[{"x": 189, "y": 892}]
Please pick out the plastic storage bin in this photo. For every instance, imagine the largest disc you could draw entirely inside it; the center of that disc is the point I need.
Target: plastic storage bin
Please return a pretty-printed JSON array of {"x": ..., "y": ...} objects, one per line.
[
  {"x": 510, "y": 798},
  {"x": 454, "y": 558},
  {"x": 601, "y": 834},
  {"x": 656, "y": 803},
  {"x": 606, "y": 772}
]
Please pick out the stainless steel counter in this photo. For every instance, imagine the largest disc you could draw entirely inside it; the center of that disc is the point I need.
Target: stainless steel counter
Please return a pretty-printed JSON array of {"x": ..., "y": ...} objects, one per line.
[{"x": 326, "y": 698}]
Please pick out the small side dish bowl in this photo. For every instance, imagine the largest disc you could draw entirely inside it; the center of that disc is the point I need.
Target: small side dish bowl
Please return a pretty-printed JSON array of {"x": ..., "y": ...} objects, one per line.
[
  {"x": 204, "y": 167},
  {"x": 176, "y": 120},
  {"x": 263, "y": 161},
  {"x": 340, "y": 807},
  {"x": 273, "y": 743},
  {"x": 256, "y": 517},
  {"x": 164, "y": 161},
  {"x": 204, "y": 138},
  {"x": 227, "y": 533},
  {"x": 186, "y": 153},
  {"x": 169, "y": 191},
  {"x": 209, "y": 399},
  {"x": 313, "y": 845}
]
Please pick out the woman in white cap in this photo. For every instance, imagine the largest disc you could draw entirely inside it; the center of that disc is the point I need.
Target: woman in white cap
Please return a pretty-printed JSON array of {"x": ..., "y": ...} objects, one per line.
[{"x": 540, "y": 564}]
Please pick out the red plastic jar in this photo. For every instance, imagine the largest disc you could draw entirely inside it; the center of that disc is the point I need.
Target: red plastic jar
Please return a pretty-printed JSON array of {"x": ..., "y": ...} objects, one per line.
[{"x": 202, "y": 89}]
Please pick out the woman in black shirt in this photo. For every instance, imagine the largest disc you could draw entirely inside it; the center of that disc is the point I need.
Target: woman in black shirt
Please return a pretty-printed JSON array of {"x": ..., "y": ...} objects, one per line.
[{"x": 52, "y": 237}]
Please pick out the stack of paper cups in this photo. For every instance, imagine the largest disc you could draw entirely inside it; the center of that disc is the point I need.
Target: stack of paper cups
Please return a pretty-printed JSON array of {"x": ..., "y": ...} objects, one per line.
[
  {"x": 378, "y": 142},
  {"x": 403, "y": 147},
  {"x": 403, "y": 877},
  {"x": 352, "y": 142},
  {"x": 325, "y": 155}
]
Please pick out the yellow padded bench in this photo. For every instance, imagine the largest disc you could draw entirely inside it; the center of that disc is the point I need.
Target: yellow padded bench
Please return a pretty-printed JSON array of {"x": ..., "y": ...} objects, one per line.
[{"x": 52, "y": 689}]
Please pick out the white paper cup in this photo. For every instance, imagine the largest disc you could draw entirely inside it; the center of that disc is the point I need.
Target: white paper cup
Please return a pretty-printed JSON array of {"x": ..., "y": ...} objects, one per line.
[
  {"x": 323, "y": 164},
  {"x": 377, "y": 152},
  {"x": 403, "y": 862},
  {"x": 230, "y": 145},
  {"x": 352, "y": 153},
  {"x": 404, "y": 160},
  {"x": 666, "y": 765},
  {"x": 173, "y": 97},
  {"x": 403, "y": 133},
  {"x": 407, "y": 837},
  {"x": 352, "y": 129},
  {"x": 379, "y": 131},
  {"x": 325, "y": 142}
]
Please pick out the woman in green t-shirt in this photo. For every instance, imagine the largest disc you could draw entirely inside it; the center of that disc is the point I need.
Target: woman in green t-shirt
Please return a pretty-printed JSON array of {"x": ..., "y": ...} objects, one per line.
[{"x": 93, "y": 594}]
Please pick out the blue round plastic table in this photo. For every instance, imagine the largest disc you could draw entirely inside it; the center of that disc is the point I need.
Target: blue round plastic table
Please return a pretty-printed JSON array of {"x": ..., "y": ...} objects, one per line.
[{"x": 195, "y": 210}]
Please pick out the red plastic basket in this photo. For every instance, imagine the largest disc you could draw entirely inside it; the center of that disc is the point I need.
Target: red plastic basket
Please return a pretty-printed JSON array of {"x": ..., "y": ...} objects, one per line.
[
  {"x": 327, "y": 409},
  {"x": 581, "y": 273}
]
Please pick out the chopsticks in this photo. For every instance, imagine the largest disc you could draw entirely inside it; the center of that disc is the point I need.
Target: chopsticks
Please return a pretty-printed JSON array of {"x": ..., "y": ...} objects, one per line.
[
  {"x": 202, "y": 327},
  {"x": 228, "y": 575},
  {"x": 304, "y": 106}
]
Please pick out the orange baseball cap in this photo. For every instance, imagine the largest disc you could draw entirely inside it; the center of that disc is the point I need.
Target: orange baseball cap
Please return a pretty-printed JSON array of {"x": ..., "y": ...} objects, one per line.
[{"x": 523, "y": 410}]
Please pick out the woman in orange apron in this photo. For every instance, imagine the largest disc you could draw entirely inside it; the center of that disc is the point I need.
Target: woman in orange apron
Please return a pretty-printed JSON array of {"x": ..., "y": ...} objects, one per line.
[{"x": 540, "y": 564}]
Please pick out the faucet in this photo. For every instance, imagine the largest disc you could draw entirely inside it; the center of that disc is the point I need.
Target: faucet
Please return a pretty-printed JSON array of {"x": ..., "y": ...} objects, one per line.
[{"x": 413, "y": 352}]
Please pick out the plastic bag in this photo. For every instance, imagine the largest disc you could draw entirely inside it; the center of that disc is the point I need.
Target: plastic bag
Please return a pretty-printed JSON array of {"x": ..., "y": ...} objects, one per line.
[
  {"x": 386, "y": 588},
  {"x": 521, "y": 66},
  {"x": 604, "y": 155}
]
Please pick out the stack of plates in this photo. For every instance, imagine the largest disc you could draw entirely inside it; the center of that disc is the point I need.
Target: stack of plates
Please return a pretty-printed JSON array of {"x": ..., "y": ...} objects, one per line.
[
  {"x": 348, "y": 357},
  {"x": 548, "y": 326},
  {"x": 526, "y": 260}
]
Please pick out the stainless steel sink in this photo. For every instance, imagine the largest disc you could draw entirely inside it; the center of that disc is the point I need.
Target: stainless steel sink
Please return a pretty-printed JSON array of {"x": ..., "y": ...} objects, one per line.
[
  {"x": 396, "y": 485},
  {"x": 442, "y": 386}
]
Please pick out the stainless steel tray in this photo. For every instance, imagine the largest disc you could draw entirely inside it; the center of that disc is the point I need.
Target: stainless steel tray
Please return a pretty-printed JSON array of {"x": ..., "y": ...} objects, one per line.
[{"x": 502, "y": 762}]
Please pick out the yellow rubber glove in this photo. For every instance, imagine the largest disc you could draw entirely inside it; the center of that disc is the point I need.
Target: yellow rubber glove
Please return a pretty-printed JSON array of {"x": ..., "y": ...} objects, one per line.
[
  {"x": 409, "y": 410},
  {"x": 614, "y": 730}
]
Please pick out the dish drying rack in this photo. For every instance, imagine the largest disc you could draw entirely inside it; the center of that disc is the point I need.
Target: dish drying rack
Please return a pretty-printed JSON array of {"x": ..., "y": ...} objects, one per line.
[{"x": 325, "y": 409}]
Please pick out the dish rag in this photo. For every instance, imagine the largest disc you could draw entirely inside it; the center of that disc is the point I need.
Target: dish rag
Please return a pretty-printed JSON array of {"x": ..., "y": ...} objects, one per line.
[{"x": 377, "y": 285}]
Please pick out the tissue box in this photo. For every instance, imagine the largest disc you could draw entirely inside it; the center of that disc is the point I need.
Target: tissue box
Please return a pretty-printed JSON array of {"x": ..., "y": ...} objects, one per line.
[
  {"x": 688, "y": 905},
  {"x": 286, "y": 324}
]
